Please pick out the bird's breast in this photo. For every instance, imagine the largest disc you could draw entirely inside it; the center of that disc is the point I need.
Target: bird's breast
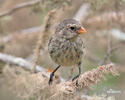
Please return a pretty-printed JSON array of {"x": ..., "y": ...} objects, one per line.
[{"x": 66, "y": 52}]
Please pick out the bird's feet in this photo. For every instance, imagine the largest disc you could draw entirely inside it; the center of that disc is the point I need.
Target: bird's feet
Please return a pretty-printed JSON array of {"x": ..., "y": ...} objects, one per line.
[
  {"x": 52, "y": 75},
  {"x": 51, "y": 78},
  {"x": 74, "y": 78}
]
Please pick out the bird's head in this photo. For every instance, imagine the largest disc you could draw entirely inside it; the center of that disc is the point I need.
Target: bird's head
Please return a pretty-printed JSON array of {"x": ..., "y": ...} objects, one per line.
[{"x": 70, "y": 28}]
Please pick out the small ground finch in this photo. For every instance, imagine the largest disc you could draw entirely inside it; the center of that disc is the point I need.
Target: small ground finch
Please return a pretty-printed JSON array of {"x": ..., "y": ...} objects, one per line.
[{"x": 65, "y": 46}]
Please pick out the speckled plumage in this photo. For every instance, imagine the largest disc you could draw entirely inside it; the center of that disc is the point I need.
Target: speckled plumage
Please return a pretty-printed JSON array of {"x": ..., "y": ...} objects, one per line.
[{"x": 65, "y": 46}]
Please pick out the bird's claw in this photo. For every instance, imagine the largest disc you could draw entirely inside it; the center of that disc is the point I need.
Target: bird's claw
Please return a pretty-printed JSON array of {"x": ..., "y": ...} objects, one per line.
[
  {"x": 51, "y": 78},
  {"x": 50, "y": 81},
  {"x": 74, "y": 78}
]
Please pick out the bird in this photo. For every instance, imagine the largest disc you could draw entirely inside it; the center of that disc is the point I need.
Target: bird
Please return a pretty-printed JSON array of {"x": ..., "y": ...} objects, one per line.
[{"x": 65, "y": 46}]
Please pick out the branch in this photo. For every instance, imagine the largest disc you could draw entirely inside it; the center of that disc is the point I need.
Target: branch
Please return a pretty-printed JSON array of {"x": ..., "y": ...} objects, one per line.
[
  {"x": 43, "y": 38},
  {"x": 21, "y": 62},
  {"x": 118, "y": 34},
  {"x": 82, "y": 12},
  {"x": 32, "y": 85},
  {"x": 19, "y": 6},
  {"x": 86, "y": 79},
  {"x": 29, "y": 31},
  {"x": 24, "y": 64},
  {"x": 106, "y": 20},
  {"x": 92, "y": 58},
  {"x": 110, "y": 50}
]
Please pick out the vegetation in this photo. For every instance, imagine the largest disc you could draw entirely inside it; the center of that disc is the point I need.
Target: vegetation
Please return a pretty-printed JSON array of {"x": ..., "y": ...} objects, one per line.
[{"x": 25, "y": 28}]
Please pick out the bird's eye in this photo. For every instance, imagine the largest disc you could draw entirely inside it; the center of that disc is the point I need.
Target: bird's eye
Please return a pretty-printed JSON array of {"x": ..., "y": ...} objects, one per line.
[{"x": 72, "y": 28}]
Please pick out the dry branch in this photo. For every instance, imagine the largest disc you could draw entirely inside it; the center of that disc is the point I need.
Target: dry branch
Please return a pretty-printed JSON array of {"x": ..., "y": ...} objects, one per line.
[
  {"x": 80, "y": 15},
  {"x": 106, "y": 19},
  {"x": 19, "y": 6},
  {"x": 44, "y": 37},
  {"x": 21, "y": 62},
  {"x": 35, "y": 85},
  {"x": 86, "y": 79},
  {"x": 92, "y": 58},
  {"x": 82, "y": 12},
  {"x": 37, "y": 53},
  {"x": 69, "y": 87},
  {"x": 110, "y": 50},
  {"x": 118, "y": 34},
  {"x": 30, "y": 31}
]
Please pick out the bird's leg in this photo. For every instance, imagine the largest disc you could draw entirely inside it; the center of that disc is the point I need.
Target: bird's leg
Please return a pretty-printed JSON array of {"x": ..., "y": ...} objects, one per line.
[
  {"x": 79, "y": 66},
  {"x": 52, "y": 74}
]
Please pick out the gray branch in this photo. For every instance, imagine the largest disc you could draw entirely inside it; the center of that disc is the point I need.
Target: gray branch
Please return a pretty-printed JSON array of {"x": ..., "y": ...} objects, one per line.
[
  {"x": 82, "y": 12},
  {"x": 19, "y": 6},
  {"x": 20, "y": 62},
  {"x": 23, "y": 63}
]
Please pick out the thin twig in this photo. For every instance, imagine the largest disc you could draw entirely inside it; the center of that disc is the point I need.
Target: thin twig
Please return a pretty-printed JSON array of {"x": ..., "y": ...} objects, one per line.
[
  {"x": 19, "y": 6},
  {"x": 92, "y": 58},
  {"x": 110, "y": 50},
  {"x": 43, "y": 37},
  {"x": 37, "y": 53}
]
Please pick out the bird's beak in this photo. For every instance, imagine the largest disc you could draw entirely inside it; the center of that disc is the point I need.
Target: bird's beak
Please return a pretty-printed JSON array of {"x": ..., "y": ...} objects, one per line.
[{"x": 82, "y": 30}]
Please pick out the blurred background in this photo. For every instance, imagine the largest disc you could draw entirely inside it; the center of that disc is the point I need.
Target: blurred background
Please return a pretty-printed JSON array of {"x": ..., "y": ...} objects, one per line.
[{"x": 22, "y": 22}]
